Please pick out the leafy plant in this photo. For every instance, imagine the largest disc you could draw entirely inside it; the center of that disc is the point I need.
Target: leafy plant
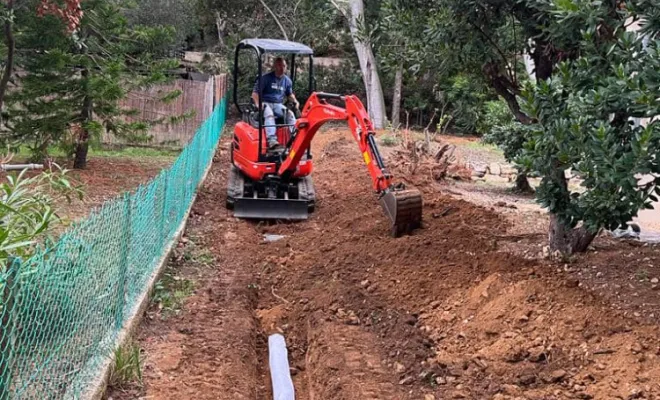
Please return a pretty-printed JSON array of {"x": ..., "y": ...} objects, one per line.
[
  {"x": 26, "y": 210},
  {"x": 170, "y": 293},
  {"x": 127, "y": 367}
]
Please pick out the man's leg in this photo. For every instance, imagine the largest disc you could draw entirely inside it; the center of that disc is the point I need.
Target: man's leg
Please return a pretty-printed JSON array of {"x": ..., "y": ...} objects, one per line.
[
  {"x": 281, "y": 111},
  {"x": 291, "y": 120},
  {"x": 269, "y": 121}
]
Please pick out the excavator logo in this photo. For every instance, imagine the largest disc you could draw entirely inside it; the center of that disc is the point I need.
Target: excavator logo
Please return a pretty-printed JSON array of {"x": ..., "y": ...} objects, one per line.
[{"x": 329, "y": 112}]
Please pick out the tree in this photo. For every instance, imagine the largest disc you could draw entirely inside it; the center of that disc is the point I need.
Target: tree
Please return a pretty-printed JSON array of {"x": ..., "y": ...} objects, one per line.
[
  {"x": 178, "y": 14},
  {"x": 397, "y": 45},
  {"x": 583, "y": 122},
  {"x": 354, "y": 13},
  {"x": 72, "y": 83},
  {"x": 491, "y": 36}
]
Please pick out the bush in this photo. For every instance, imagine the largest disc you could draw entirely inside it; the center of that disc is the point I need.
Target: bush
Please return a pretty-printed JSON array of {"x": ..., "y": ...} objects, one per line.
[
  {"x": 498, "y": 127},
  {"x": 495, "y": 114}
]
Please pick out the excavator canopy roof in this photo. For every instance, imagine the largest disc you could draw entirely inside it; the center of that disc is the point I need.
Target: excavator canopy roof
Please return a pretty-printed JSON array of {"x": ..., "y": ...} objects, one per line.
[{"x": 276, "y": 46}]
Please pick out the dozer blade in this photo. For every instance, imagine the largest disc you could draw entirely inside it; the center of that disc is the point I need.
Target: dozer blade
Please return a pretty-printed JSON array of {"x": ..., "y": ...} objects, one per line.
[
  {"x": 250, "y": 208},
  {"x": 404, "y": 209}
]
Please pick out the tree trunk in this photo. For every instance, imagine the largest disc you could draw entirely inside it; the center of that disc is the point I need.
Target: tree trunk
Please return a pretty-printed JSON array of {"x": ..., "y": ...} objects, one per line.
[
  {"x": 396, "y": 100},
  {"x": 10, "y": 42},
  {"x": 561, "y": 236},
  {"x": 220, "y": 25},
  {"x": 568, "y": 240},
  {"x": 522, "y": 184},
  {"x": 368, "y": 66},
  {"x": 82, "y": 144}
]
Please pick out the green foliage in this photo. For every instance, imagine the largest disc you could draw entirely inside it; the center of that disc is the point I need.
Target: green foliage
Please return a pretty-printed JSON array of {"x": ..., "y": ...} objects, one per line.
[
  {"x": 127, "y": 367},
  {"x": 494, "y": 113},
  {"x": 178, "y": 14},
  {"x": 498, "y": 127},
  {"x": 26, "y": 210},
  {"x": 389, "y": 140},
  {"x": 314, "y": 22},
  {"x": 465, "y": 96},
  {"x": 71, "y": 85},
  {"x": 170, "y": 292},
  {"x": 584, "y": 117}
]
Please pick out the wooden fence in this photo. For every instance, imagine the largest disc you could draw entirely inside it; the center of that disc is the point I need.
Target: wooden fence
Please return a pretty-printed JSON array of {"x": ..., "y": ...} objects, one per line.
[{"x": 198, "y": 97}]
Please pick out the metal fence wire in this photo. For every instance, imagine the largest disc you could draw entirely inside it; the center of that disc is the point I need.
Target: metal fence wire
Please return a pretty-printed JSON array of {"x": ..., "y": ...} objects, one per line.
[{"x": 62, "y": 309}]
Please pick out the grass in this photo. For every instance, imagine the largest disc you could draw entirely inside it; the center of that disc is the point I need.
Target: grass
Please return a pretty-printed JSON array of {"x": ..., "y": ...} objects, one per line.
[
  {"x": 389, "y": 140},
  {"x": 170, "y": 292},
  {"x": 97, "y": 151},
  {"x": 127, "y": 369},
  {"x": 479, "y": 145},
  {"x": 642, "y": 275}
]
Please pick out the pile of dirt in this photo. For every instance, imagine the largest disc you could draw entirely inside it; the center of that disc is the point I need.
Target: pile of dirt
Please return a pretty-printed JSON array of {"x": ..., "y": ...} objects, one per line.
[{"x": 444, "y": 313}]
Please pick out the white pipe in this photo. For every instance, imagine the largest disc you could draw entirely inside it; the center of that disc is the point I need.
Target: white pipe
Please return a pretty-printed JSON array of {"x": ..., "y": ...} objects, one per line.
[
  {"x": 12, "y": 167},
  {"x": 280, "y": 375}
]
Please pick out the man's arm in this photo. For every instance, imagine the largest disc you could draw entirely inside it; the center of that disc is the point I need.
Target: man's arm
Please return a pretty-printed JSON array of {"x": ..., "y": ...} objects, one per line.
[
  {"x": 255, "y": 92},
  {"x": 290, "y": 95},
  {"x": 255, "y": 98}
]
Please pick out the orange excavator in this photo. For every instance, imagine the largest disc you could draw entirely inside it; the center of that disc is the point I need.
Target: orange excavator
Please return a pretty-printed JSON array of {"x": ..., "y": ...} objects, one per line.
[{"x": 266, "y": 183}]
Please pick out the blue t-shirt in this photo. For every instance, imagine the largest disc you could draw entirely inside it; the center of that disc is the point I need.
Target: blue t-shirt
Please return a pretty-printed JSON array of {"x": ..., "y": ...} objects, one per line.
[{"x": 274, "y": 88}]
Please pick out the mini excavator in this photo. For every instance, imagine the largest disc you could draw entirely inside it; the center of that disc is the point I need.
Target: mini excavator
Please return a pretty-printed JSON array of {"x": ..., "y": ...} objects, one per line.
[{"x": 265, "y": 184}]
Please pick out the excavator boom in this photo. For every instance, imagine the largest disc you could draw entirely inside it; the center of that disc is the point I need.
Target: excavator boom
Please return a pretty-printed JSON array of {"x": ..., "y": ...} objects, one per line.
[{"x": 402, "y": 206}]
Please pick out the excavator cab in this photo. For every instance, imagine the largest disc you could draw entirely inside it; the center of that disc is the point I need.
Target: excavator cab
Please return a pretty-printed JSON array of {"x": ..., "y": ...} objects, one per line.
[
  {"x": 278, "y": 185},
  {"x": 253, "y": 113}
]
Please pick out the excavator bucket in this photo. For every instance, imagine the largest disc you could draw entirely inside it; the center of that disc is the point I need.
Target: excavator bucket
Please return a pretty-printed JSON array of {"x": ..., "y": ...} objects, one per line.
[{"x": 404, "y": 209}]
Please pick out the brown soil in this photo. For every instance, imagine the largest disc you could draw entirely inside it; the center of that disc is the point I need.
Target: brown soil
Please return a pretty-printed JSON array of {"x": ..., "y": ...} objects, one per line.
[
  {"x": 447, "y": 313},
  {"x": 103, "y": 179}
]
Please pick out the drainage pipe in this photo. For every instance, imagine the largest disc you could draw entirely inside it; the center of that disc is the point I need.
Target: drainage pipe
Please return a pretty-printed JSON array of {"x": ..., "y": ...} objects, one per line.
[
  {"x": 13, "y": 167},
  {"x": 280, "y": 375}
]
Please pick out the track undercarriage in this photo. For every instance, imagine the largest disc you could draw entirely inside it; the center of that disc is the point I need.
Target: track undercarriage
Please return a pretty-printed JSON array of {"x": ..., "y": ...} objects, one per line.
[{"x": 272, "y": 198}]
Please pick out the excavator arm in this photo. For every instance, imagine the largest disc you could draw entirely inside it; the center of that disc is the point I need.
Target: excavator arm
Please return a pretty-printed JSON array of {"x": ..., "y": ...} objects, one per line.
[{"x": 402, "y": 206}]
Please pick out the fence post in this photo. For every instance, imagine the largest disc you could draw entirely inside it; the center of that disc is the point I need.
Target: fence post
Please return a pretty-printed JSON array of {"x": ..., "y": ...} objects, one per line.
[
  {"x": 9, "y": 293},
  {"x": 125, "y": 259},
  {"x": 165, "y": 229}
]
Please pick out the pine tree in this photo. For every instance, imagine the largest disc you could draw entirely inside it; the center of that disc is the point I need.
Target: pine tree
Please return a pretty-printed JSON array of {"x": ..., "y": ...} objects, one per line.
[{"x": 80, "y": 65}]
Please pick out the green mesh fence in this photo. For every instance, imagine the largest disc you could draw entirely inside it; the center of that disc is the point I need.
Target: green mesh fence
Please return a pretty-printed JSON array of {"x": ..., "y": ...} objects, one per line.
[{"x": 63, "y": 309}]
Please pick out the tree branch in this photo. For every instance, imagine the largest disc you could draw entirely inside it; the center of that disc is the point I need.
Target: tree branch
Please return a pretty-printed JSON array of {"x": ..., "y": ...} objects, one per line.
[
  {"x": 286, "y": 37},
  {"x": 339, "y": 8},
  {"x": 492, "y": 42}
]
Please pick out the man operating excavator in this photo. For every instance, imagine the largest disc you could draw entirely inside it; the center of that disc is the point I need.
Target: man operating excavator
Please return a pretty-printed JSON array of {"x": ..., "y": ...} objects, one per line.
[{"x": 276, "y": 86}]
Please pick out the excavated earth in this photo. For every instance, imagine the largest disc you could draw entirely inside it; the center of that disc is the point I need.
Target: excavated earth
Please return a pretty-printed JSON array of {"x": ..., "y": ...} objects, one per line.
[{"x": 446, "y": 313}]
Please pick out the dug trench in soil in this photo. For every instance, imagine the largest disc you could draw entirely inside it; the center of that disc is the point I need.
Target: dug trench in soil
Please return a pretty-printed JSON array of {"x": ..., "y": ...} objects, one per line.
[{"x": 440, "y": 314}]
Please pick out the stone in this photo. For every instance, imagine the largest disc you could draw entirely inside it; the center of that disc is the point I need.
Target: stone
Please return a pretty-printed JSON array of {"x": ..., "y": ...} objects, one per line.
[
  {"x": 407, "y": 380},
  {"x": 655, "y": 280},
  {"x": 440, "y": 380},
  {"x": 495, "y": 169},
  {"x": 537, "y": 354},
  {"x": 429, "y": 397},
  {"x": 364, "y": 283},
  {"x": 448, "y": 317},
  {"x": 399, "y": 368},
  {"x": 558, "y": 375}
]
